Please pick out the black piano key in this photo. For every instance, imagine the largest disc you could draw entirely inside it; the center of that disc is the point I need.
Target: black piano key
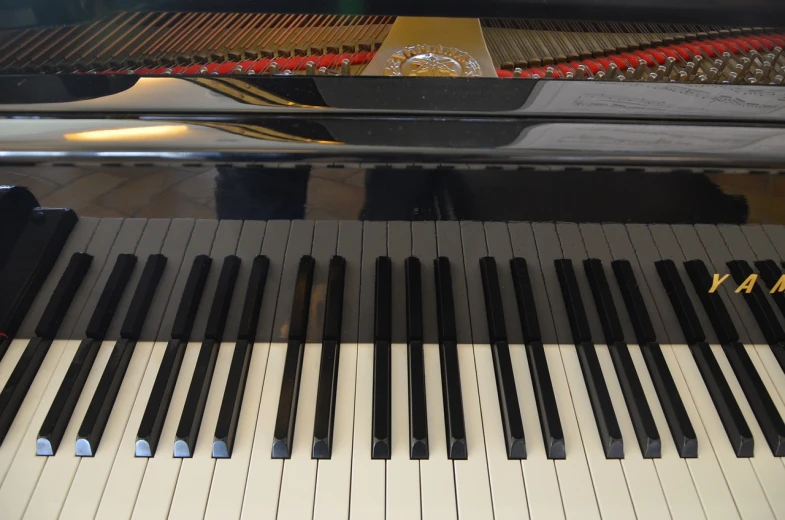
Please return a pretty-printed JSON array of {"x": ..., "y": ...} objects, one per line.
[
  {"x": 512, "y": 424},
  {"x": 770, "y": 273},
  {"x": 550, "y": 423},
  {"x": 149, "y": 433},
  {"x": 382, "y": 352},
  {"x": 229, "y": 414},
  {"x": 523, "y": 293},
  {"x": 59, "y": 415},
  {"x": 327, "y": 387},
  {"x": 576, "y": 314},
  {"x": 712, "y": 303},
  {"x": 29, "y": 264},
  {"x": 98, "y": 412},
  {"x": 634, "y": 397},
  {"x": 677, "y": 294},
  {"x": 26, "y": 368},
  {"x": 5, "y": 342},
  {"x": 758, "y": 304},
  {"x": 758, "y": 397},
  {"x": 418, "y": 411},
  {"x": 640, "y": 414},
  {"x": 455, "y": 429},
  {"x": 728, "y": 409},
  {"x": 604, "y": 416},
  {"x": 143, "y": 297},
  {"x": 110, "y": 297},
  {"x": 283, "y": 434},
  {"x": 16, "y": 206},
  {"x": 193, "y": 410},
  {"x": 633, "y": 300}
]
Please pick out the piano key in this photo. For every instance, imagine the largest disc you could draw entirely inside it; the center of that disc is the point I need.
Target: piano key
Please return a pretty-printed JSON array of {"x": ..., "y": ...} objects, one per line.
[
  {"x": 418, "y": 408},
  {"x": 16, "y": 205},
  {"x": 604, "y": 415},
  {"x": 262, "y": 487},
  {"x": 381, "y": 420},
  {"x": 333, "y": 478},
  {"x": 733, "y": 422},
  {"x": 18, "y": 384},
  {"x": 770, "y": 273},
  {"x": 512, "y": 425},
  {"x": 324, "y": 419},
  {"x": 760, "y": 307},
  {"x": 191, "y": 418},
  {"x": 639, "y": 411},
  {"x": 437, "y": 480},
  {"x": 651, "y": 242},
  {"x": 127, "y": 471},
  {"x": 712, "y": 304},
  {"x": 149, "y": 433},
  {"x": 298, "y": 482},
  {"x": 550, "y": 424},
  {"x": 452, "y": 394}
]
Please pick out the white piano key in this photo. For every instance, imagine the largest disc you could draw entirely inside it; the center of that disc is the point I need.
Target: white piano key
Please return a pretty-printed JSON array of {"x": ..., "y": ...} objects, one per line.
[
  {"x": 55, "y": 481},
  {"x": 403, "y": 474},
  {"x": 575, "y": 481},
  {"x": 299, "y": 472},
  {"x": 226, "y": 493},
  {"x": 641, "y": 476},
  {"x": 368, "y": 475},
  {"x": 333, "y": 477},
  {"x": 196, "y": 473},
  {"x": 741, "y": 480},
  {"x": 24, "y": 466},
  {"x": 506, "y": 476},
  {"x": 673, "y": 472},
  {"x": 160, "y": 475},
  {"x": 472, "y": 487},
  {"x": 127, "y": 471},
  {"x": 772, "y": 375},
  {"x": 262, "y": 488},
  {"x": 539, "y": 473},
  {"x": 437, "y": 483},
  {"x": 768, "y": 468}
]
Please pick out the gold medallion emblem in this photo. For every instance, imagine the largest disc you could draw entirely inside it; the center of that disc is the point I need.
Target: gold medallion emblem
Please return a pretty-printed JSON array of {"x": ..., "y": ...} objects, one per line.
[{"x": 432, "y": 60}]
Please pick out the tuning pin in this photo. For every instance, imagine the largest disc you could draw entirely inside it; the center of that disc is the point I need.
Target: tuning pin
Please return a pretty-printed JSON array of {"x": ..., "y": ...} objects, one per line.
[
  {"x": 766, "y": 69},
  {"x": 733, "y": 77},
  {"x": 569, "y": 75},
  {"x": 629, "y": 74},
  {"x": 660, "y": 75},
  {"x": 287, "y": 72},
  {"x": 641, "y": 69},
  {"x": 758, "y": 75},
  {"x": 690, "y": 68},
  {"x": 600, "y": 76},
  {"x": 777, "y": 80},
  {"x": 168, "y": 72},
  {"x": 322, "y": 71},
  {"x": 549, "y": 73},
  {"x": 581, "y": 72},
  {"x": 752, "y": 81},
  {"x": 203, "y": 70},
  {"x": 310, "y": 68},
  {"x": 345, "y": 67},
  {"x": 703, "y": 78},
  {"x": 747, "y": 63},
  {"x": 620, "y": 77},
  {"x": 251, "y": 72},
  {"x": 669, "y": 62},
  {"x": 777, "y": 54},
  {"x": 613, "y": 70},
  {"x": 536, "y": 76},
  {"x": 652, "y": 76},
  {"x": 237, "y": 70},
  {"x": 712, "y": 74},
  {"x": 683, "y": 76},
  {"x": 517, "y": 72},
  {"x": 273, "y": 68}
]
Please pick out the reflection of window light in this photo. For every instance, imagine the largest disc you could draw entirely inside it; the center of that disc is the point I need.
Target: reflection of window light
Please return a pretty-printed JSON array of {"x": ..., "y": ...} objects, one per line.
[{"x": 119, "y": 134}]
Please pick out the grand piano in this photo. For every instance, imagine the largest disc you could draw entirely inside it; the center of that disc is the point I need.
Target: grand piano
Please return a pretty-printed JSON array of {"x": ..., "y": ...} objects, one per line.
[{"x": 392, "y": 260}]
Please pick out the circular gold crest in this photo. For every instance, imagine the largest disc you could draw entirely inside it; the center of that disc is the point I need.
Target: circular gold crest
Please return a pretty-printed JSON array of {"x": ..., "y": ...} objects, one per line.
[{"x": 432, "y": 60}]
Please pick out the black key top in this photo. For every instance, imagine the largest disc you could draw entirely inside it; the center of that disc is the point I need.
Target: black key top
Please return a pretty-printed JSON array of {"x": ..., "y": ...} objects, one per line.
[
  {"x": 283, "y": 435},
  {"x": 604, "y": 416},
  {"x": 152, "y": 424},
  {"x": 59, "y": 415},
  {"x": 712, "y": 303},
  {"x": 634, "y": 397},
  {"x": 382, "y": 396},
  {"x": 454, "y": 426},
  {"x": 633, "y": 300},
  {"x": 30, "y": 361},
  {"x": 523, "y": 293},
  {"x": 28, "y": 266},
  {"x": 100, "y": 408},
  {"x": 758, "y": 304},
  {"x": 727, "y": 408},
  {"x": 579, "y": 324},
  {"x": 229, "y": 415},
  {"x": 771, "y": 274},
  {"x": 512, "y": 425},
  {"x": 324, "y": 419},
  {"x": 193, "y": 410},
  {"x": 677, "y": 293},
  {"x": 418, "y": 411}
]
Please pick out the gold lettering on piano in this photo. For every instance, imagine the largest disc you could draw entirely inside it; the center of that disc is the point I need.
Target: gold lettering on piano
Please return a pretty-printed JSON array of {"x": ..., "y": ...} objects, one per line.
[
  {"x": 717, "y": 281},
  {"x": 779, "y": 286},
  {"x": 748, "y": 284}
]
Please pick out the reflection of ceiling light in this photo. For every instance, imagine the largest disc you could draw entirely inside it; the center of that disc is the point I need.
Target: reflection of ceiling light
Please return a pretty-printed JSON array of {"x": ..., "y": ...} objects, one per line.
[{"x": 119, "y": 134}]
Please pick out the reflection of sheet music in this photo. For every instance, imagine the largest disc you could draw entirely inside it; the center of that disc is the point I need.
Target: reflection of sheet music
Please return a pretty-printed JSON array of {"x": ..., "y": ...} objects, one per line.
[
  {"x": 609, "y": 98},
  {"x": 661, "y": 140}
]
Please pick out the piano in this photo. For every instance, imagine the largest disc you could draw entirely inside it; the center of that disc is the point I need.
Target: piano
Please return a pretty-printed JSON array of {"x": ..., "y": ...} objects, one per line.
[{"x": 409, "y": 260}]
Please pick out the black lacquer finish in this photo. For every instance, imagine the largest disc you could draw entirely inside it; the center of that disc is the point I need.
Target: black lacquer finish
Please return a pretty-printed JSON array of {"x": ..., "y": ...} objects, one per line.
[
  {"x": 381, "y": 421},
  {"x": 418, "y": 410}
]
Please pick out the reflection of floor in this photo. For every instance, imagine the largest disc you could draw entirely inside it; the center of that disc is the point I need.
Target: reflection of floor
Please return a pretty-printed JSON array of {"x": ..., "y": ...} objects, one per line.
[{"x": 170, "y": 192}]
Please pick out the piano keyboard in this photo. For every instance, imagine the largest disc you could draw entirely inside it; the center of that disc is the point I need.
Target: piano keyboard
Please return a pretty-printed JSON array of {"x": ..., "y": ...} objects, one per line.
[{"x": 229, "y": 369}]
